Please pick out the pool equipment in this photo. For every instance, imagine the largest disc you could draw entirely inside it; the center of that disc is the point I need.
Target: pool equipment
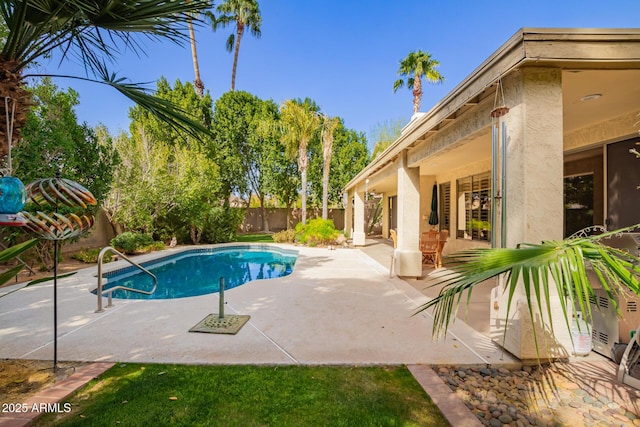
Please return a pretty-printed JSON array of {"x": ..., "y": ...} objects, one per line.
[{"x": 629, "y": 369}]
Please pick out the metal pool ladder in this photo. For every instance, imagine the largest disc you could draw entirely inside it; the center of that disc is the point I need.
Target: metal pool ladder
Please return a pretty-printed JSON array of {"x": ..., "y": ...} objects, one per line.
[{"x": 109, "y": 291}]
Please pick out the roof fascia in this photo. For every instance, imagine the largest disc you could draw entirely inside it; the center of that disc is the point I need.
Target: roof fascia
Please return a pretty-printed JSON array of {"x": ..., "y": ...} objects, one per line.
[{"x": 512, "y": 54}]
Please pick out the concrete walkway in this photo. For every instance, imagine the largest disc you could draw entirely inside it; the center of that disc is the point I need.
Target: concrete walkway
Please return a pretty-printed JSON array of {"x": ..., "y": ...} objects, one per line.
[{"x": 337, "y": 307}]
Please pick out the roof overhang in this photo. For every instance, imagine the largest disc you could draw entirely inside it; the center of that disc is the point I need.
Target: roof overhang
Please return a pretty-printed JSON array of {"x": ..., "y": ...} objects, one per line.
[{"x": 581, "y": 48}]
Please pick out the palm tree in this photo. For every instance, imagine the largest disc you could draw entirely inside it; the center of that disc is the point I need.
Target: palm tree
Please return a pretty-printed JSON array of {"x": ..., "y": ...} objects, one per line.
[
  {"x": 245, "y": 14},
  {"x": 538, "y": 268},
  {"x": 415, "y": 66},
  {"x": 329, "y": 125},
  {"x": 93, "y": 31},
  {"x": 197, "y": 82},
  {"x": 300, "y": 125}
]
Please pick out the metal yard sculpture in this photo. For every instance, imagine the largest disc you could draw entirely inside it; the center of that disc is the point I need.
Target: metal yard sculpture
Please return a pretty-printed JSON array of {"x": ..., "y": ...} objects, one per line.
[
  {"x": 60, "y": 209},
  {"x": 50, "y": 196}
]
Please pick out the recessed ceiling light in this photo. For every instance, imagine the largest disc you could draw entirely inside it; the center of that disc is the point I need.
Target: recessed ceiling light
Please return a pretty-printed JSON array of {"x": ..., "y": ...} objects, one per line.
[{"x": 591, "y": 97}]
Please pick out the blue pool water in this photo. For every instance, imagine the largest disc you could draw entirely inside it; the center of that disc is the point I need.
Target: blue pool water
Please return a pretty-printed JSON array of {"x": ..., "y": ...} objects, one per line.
[{"x": 197, "y": 272}]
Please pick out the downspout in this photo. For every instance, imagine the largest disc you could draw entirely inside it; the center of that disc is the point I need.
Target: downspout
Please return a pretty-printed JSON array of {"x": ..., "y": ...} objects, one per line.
[
  {"x": 503, "y": 207},
  {"x": 499, "y": 161},
  {"x": 494, "y": 182},
  {"x": 498, "y": 183}
]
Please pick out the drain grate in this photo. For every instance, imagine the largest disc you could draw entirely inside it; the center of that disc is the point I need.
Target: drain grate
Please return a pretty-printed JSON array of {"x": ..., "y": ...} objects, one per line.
[{"x": 213, "y": 324}]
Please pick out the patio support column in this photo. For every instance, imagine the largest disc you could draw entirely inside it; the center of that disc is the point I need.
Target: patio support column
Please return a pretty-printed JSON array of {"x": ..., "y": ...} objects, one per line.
[
  {"x": 385, "y": 216},
  {"x": 534, "y": 203},
  {"x": 408, "y": 255},
  {"x": 348, "y": 214},
  {"x": 535, "y": 159},
  {"x": 359, "y": 235}
]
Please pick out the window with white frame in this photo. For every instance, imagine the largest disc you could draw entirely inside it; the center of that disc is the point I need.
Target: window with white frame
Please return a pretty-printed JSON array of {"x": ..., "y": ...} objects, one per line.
[{"x": 474, "y": 207}]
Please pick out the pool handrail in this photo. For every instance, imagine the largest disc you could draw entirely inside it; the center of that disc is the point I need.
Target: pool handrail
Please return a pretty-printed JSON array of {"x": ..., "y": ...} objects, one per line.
[{"x": 110, "y": 291}]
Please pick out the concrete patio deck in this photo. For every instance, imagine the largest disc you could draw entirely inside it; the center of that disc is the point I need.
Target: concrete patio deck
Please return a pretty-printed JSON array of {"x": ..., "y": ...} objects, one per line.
[{"x": 337, "y": 307}]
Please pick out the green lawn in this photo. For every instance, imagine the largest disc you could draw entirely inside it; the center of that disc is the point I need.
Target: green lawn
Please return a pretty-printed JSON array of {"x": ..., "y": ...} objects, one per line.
[
  {"x": 256, "y": 237},
  {"x": 179, "y": 395}
]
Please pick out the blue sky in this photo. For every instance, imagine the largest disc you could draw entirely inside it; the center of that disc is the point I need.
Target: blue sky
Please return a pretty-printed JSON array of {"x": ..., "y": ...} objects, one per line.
[{"x": 344, "y": 54}]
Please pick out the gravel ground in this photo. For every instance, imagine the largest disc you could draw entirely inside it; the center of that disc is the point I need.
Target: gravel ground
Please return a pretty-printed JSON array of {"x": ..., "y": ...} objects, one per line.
[{"x": 534, "y": 396}]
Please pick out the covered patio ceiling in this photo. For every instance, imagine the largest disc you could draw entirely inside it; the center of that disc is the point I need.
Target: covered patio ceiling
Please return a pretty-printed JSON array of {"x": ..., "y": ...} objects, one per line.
[{"x": 589, "y": 97}]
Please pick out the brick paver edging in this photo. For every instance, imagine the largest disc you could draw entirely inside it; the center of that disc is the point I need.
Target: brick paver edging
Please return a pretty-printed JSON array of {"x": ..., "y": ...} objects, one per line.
[{"x": 451, "y": 406}]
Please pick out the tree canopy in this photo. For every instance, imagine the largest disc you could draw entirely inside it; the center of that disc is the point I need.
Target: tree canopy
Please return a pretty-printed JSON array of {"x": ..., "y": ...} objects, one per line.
[
  {"x": 53, "y": 141},
  {"x": 166, "y": 186},
  {"x": 95, "y": 32},
  {"x": 384, "y": 134},
  {"x": 232, "y": 146}
]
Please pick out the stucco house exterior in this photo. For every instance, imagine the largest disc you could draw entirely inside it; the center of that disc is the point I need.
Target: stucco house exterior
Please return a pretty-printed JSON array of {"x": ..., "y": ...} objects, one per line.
[{"x": 533, "y": 145}]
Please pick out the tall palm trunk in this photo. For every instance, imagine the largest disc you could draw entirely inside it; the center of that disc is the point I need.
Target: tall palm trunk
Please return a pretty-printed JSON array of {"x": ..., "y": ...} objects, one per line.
[
  {"x": 325, "y": 191},
  {"x": 235, "y": 55},
  {"x": 197, "y": 83},
  {"x": 303, "y": 165},
  {"x": 289, "y": 207},
  {"x": 327, "y": 147},
  {"x": 14, "y": 105},
  {"x": 265, "y": 214},
  {"x": 417, "y": 94}
]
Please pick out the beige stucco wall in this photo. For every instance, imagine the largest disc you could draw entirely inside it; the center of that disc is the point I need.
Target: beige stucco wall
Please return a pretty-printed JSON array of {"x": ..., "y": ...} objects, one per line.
[
  {"x": 620, "y": 128},
  {"x": 100, "y": 235}
]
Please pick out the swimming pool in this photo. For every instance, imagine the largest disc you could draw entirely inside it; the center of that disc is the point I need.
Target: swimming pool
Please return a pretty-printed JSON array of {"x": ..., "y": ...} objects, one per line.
[{"x": 197, "y": 271}]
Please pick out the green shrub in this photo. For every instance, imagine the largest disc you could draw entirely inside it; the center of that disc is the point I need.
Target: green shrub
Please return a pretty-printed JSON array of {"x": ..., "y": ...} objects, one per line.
[
  {"x": 285, "y": 236},
  {"x": 130, "y": 243},
  {"x": 223, "y": 224},
  {"x": 90, "y": 256},
  {"x": 155, "y": 246},
  {"x": 317, "y": 232}
]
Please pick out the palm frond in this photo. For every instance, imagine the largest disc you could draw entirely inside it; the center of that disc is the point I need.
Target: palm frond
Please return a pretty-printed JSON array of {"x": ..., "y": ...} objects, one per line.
[
  {"x": 15, "y": 250},
  {"x": 11, "y": 253},
  {"x": 537, "y": 268},
  {"x": 163, "y": 109},
  {"x": 10, "y": 274},
  {"x": 231, "y": 41},
  {"x": 36, "y": 28}
]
